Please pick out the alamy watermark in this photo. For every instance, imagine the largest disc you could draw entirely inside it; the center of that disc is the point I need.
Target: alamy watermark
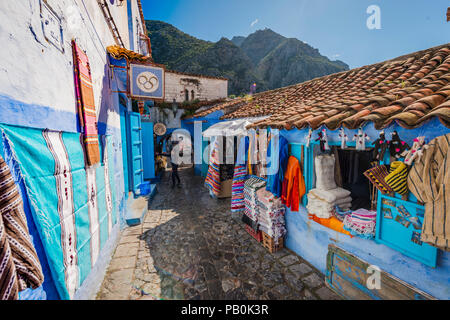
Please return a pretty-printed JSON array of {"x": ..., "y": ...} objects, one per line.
[{"x": 374, "y": 20}]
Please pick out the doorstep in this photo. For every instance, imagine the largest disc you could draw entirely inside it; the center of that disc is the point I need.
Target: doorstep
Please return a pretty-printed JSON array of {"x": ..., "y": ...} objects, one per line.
[{"x": 137, "y": 208}]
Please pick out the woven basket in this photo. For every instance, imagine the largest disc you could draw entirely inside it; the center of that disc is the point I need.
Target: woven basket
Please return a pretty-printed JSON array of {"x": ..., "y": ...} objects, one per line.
[{"x": 270, "y": 244}]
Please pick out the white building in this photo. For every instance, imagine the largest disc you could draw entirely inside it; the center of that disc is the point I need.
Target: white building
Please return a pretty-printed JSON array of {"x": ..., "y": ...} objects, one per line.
[{"x": 183, "y": 87}]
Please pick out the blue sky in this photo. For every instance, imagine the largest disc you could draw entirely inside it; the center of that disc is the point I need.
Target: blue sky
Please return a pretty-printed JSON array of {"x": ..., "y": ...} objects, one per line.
[{"x": 336, "y": 27}]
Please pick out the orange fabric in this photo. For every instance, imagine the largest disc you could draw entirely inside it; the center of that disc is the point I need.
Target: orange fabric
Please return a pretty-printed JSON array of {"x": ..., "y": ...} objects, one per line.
[
  {"x": 293, "y": 184},
  {"x": 331, "y": 223}
]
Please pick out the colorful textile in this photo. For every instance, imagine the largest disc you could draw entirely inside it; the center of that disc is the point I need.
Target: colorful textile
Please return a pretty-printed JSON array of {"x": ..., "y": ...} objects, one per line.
[
  {"x": 212, "y": 181},
  {"x": 86, "y": 104},
  {"x": 396, "y": 179},
  {"x": 251, "y": 186},
  {"x": 19, "y": 265},
  {"x": 331, "y": 223},
  {"x": 74, "y": 221},
  {"x": 361, "y": 223},
  {"x": 429, "y": 181},
  {"x": 376, "y": 176},
  {"x": 240, "y": 174},
  {"x": 237, "y": 189},
  {"x": 293, "y": 185},
  {"x": 278, "y": 155}
]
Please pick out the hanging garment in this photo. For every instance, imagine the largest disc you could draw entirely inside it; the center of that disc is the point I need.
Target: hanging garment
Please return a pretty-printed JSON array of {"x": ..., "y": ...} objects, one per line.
[
  {"x": 380, "y": 146},
  {"x": 397, "y": 176},
  {"x": 429, "y": 181},
  {"x": 85, "y": 103},
  {"x": 416, "y": 151},
  {"x": 19, "y": 265},
  {"x": 397, "y": 147},
  {"x": 293, "y": 184},
  {"x": 344, "y": 138},
  {"x": 278, "y": 160},
  {"x": 361, "y": 138},
  {"x": 212, "y": 181},
  {"x": 240, "y": 174}
]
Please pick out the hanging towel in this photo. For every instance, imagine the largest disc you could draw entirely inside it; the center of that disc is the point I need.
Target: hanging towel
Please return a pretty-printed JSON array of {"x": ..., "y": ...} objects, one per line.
[
  {"x": 397, "y": 176},
  {"x": 429, "y": 181},
  {"x": 293, "y": 184},
  {"x": 19, "y": 265},
  {"x": 85, "y": 104},
  {"x": 212, "y": 181},
  {"x": 278, "y": 153}
]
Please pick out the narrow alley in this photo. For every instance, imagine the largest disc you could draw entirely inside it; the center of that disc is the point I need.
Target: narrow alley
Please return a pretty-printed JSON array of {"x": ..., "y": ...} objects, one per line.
[{"x": 190, "y": 247}]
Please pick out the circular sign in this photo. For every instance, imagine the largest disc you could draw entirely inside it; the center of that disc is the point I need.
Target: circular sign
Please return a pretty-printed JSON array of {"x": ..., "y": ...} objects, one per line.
[
  {"x": 159, "y": 129},
  {"x": 147, "y": 82}
]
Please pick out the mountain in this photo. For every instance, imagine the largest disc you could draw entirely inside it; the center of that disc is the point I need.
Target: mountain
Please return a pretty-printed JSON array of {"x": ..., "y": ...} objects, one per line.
[{"x": 264, "y": 57}]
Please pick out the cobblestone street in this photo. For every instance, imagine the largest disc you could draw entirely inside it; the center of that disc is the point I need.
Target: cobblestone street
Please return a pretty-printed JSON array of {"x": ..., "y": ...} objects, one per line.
[{"x": 189, "y": 247}]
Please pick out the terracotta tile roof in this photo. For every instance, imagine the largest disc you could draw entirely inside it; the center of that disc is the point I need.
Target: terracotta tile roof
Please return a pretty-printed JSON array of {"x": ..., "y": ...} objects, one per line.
[
  {"x": 117, "y": 52},
  {"x": 409, "y": 90}
]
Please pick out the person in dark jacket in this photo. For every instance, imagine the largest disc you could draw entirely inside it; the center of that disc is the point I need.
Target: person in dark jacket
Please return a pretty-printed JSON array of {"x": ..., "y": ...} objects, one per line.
[{"x": 174, "y": 159}]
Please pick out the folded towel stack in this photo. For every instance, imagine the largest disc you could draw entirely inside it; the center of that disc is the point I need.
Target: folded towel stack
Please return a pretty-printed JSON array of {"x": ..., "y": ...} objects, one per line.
[
  {"x": 323, "y": 199},
  {"x": 252, "y": 185},
  {"x": 321, "y": 203},
  {"x": 270, "y": 214}
]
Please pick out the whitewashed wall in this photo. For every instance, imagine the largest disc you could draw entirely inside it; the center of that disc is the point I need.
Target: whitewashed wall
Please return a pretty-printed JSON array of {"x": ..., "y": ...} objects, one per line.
[
  {"x": 205, "y": 88},
  {"x": 33, "y": 71}
]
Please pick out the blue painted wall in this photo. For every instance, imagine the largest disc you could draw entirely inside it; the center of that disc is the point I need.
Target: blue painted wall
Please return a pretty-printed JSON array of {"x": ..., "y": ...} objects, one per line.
[{"x": 310, "y": 240}]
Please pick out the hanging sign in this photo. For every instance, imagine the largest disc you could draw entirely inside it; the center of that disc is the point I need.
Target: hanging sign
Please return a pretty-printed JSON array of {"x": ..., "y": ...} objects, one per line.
[{"x": 146, "y": 81}]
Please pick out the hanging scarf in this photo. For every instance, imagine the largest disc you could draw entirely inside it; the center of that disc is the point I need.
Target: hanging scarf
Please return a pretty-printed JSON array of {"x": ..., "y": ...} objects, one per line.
[{"x": 19, "y": 265}]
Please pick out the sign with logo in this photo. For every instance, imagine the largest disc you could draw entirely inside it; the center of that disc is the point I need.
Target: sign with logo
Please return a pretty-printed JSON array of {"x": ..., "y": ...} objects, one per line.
[{"x": 146, "y": 81}]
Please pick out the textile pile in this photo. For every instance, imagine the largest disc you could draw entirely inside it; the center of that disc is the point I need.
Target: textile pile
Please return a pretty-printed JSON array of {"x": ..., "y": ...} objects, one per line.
[
  {"x": 361, "y": 223},
  {"x": 237, "y": 189},
  {"x": 270, "y": 214},
  {"x": 251, "y": 186},
  {"x": 322, "y": 200},
  {"x": 19, "y": 265}
]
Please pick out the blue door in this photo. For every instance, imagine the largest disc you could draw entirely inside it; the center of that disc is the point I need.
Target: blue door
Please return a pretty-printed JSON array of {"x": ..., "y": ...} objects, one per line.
[
  {"x": 148, "y": 150},
  {"x": 123, "y": 136},
  {"x": 135, "y": 152}
]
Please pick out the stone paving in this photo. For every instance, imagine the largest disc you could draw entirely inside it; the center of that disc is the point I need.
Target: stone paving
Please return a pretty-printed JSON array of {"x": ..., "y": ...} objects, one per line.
[{"x": 190, "y": 247}]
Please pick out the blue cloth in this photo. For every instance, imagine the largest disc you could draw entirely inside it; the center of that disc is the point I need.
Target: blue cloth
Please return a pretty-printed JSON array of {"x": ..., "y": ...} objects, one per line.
[
  {"x": 55, "y": 179},
  {"x": 277, "y": 156}
]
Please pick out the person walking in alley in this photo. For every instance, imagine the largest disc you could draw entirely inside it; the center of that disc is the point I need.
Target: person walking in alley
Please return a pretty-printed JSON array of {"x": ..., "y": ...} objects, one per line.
[{"x": 175, "y": 153}]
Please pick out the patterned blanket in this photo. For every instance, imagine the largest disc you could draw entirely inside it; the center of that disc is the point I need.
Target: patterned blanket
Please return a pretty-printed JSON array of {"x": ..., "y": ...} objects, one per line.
[
  {"x": 19, "y": 265},
  {"x": 72, "y": 206}
]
